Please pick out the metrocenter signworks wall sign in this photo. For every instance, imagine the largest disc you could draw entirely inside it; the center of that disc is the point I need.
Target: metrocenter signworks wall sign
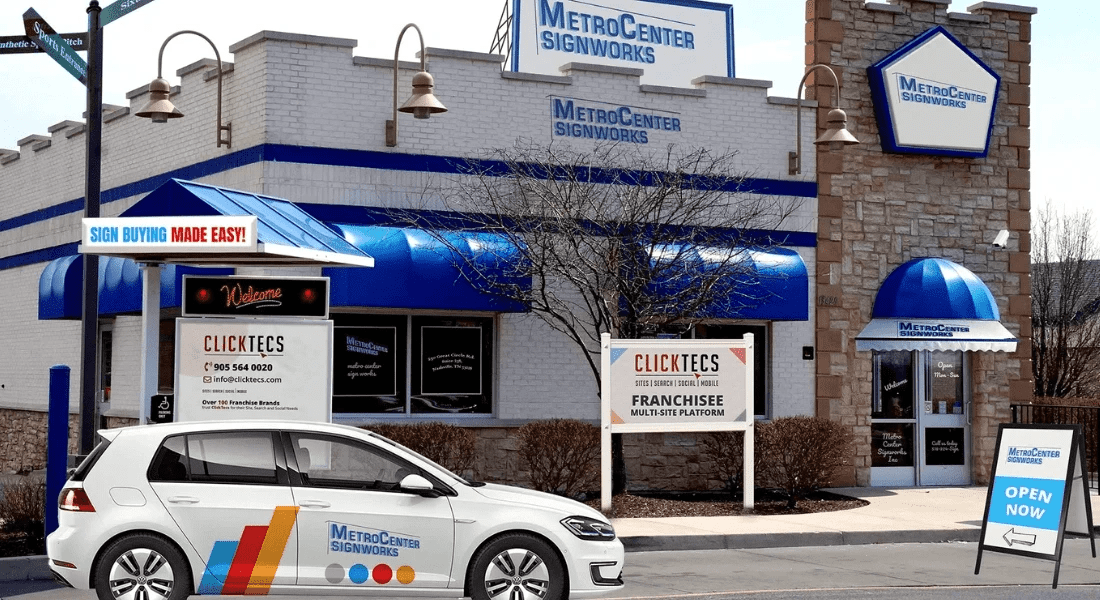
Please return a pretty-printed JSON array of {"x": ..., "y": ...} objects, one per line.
[
  {"x": 673, "y": 41},
  {"x": 934, "y": 96}
]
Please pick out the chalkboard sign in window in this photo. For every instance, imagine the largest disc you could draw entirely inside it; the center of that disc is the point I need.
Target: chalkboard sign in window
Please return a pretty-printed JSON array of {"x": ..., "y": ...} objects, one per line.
[
  {"x": 366, "y": 359},
  {"x": 450, "y": 360},
  {"x": 892, "y": 445},
  {"x": 945, "y": 446}
]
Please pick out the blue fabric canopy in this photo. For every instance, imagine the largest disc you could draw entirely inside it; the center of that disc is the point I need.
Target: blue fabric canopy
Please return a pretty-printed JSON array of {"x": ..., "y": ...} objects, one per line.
[
  {"x": 60, "y": 293},
  {"x": 413, "y": 269},
  {"x": 769, "y": 285},
  {"x": 934, "y": 288},
  {"x": 935, "y": 304}
]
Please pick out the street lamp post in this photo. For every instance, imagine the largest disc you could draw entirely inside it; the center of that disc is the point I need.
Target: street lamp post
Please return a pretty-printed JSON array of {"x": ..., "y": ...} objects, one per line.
[{"x": 422, "y": 104}]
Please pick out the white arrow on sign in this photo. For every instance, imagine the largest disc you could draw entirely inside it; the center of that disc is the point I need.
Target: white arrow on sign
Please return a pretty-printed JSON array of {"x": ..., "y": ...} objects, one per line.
[{"x": 1013, "y": 537}]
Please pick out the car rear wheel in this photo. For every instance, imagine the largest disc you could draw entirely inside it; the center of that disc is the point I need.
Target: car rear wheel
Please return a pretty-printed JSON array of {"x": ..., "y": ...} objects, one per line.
[
  {"x": 142, "y": 567},
  {"x": 517, "y": 567}
]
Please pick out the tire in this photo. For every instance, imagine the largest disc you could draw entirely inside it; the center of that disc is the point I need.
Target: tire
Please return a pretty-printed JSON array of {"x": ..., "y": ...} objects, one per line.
[
  {"x": 517, "y": 566},
  {"x": 142, "y": 567}
]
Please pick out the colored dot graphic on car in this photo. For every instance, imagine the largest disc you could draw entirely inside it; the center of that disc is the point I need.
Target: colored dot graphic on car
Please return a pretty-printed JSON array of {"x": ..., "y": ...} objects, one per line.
[
  {"x": 358, "y": 573},
  {"x": 406, "y": 574},
  {"x": 382, "y": 573}
]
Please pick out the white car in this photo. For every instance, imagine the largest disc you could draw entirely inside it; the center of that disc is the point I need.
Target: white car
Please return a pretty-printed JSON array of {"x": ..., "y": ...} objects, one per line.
[{"x": 166, "y": 511}]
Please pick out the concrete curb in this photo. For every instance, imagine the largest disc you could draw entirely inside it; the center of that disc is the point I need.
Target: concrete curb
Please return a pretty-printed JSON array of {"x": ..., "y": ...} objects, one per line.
[
  {"x": 744, "y": 541},
  {"x": 24, "y": 568}
]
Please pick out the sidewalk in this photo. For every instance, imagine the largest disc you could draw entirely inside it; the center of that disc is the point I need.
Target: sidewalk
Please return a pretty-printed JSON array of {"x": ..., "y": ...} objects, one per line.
[{"x": 902, "y": 515}]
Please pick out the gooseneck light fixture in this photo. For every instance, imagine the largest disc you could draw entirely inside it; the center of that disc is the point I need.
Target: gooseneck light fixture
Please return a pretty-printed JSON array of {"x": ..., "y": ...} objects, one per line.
[
  {"x": 422, "y": 104},
  {"x": 837, "y": 121},
  {"x": 160, "y": 108}
]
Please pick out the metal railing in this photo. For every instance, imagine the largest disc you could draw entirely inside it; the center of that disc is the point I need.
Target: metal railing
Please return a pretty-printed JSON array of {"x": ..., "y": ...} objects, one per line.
[{"x": 1087, "y": 417}]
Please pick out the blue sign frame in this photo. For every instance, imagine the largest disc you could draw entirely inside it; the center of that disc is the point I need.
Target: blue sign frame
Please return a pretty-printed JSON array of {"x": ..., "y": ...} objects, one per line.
[
  {"x": 877, "y": 81},
  {"x": 725, "y": 9}
]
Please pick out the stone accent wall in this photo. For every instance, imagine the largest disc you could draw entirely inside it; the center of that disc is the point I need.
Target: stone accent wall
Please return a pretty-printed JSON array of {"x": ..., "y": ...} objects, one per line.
[
  {"x": 24, "y": 438},
  {"x": 878, "y": 210}
]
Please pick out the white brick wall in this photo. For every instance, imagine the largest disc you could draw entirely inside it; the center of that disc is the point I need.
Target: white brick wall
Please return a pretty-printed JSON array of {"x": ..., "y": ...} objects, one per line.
[{"x": 308, "y": 91}]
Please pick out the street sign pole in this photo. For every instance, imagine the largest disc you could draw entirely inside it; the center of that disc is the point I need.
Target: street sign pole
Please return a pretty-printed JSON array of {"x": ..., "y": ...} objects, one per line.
[{"x": 89, "y": 317}]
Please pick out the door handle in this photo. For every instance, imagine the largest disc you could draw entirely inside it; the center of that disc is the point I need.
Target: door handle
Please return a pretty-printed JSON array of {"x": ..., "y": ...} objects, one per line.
[
  {"x": 314, "y": 504},
  {"x": 183, "y": 500}
]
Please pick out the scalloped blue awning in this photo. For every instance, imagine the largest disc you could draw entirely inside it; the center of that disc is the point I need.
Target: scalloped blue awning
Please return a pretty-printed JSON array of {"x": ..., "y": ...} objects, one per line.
[
  {"x": 60, "y": 293},
  {"x": 935, "y": 304},
  {"x": 413, "y": 269},
  {"x": 770, "y": 285}
]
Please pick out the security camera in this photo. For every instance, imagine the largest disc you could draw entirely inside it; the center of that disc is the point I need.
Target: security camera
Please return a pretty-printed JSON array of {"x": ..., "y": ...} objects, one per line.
[{"x": 1001, "y": 240}]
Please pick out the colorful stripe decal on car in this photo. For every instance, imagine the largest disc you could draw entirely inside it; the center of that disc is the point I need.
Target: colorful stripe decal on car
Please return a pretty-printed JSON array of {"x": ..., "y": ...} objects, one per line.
[{"x": 248, "y": 566}]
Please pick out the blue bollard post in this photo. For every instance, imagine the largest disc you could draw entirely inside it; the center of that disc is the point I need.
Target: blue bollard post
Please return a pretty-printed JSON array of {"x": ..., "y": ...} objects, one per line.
[{"x": 57, "y": 442}]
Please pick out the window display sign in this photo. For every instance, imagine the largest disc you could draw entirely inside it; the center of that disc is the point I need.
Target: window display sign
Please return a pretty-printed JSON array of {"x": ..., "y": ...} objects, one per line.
[
  {"x": 234, "y": 296},
  {"x": 892, "y": 445},
  {"x": 450, "y": 361},
  {"x": 677, "y": 385},
  {"x": 365, "y": 360},
  {"x": 944, "y": 446},
  {"x": 1037, "y": 493},
  {"x": 253, "y": 369},
  {"x": 671, "y": 40}
]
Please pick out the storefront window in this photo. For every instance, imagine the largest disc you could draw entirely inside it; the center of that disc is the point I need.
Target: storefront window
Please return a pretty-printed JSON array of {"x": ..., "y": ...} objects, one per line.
[
  {"x": 403, "y": 364},
  {"x": 945, "y": 378},
  {"x": 893, "y": 398}
]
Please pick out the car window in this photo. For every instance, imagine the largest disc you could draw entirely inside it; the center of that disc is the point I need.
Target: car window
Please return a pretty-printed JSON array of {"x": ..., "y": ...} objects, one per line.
[
  {"x": 170, "y": 461},
  {"x": 328, "y": 461},
  {"x": 232, "y": 457}
]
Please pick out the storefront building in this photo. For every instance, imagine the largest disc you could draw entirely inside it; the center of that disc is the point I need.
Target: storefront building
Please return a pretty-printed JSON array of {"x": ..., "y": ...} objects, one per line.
[{"x": 308, "y": 127}]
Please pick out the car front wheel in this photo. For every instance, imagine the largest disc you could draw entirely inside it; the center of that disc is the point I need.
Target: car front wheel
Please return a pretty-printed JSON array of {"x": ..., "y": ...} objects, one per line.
[
  {"x": 517, "y": 567},
  {"x": 142, "y": 567}
]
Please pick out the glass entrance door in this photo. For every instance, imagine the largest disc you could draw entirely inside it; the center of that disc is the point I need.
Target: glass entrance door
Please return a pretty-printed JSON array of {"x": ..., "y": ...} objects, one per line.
[{"x": 920, "y": 432}]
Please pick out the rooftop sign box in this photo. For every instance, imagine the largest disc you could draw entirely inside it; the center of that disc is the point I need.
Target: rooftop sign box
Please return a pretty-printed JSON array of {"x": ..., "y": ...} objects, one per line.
[
  {"x": 673, "y": 41},
  {"x": 934, "y": 96},
  {"x": 136, "y": 235}
]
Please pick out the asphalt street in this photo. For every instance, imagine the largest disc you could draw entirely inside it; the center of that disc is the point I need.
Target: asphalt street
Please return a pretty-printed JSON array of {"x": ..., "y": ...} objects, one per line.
[{"x": 916, "y": 571}]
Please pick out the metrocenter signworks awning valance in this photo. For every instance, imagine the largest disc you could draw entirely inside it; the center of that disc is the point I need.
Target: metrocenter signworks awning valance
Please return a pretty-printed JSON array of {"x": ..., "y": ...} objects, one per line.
[{"x": 935, "y": 304}]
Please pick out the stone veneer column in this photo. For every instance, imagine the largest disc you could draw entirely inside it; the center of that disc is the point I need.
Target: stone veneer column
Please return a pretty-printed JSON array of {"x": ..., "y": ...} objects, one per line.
[{"x": 877, "y": 210}]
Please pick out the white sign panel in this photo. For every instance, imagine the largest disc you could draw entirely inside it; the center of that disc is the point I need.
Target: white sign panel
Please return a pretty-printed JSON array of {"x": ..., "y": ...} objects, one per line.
[
  {"x": 135, "y": 235},
  {"x": 668, "y": 385},
  {"x": 934, "y": 96},
  {"x": 1026, "y": 499},
  {"x": 673, "y": 41},
  {"x": 253, "y": 369}
]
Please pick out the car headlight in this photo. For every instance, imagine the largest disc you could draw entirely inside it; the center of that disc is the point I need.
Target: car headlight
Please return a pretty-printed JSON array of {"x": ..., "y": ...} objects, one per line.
[{"x": 589, "y": 529}]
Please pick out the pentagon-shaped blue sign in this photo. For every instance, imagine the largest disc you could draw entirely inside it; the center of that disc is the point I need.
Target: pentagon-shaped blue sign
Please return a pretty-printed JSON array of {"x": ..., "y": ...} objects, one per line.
[{"x": 934, "y": 96}]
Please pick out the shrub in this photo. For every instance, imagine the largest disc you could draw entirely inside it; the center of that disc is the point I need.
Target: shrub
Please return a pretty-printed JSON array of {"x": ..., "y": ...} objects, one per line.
[
  {"x": 449, "y": 445},
  {"x": 563, "y": 456},
  {"x": 800, "y": 454},
  {"x": 726, "y": 449},
  {"x": 23, "y": 517}
]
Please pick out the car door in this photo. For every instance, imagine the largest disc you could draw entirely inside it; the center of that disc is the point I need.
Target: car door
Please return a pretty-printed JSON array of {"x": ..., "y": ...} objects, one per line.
[
  {"x": 356, "y": 527},
  {"x": 229, "y": 494}
]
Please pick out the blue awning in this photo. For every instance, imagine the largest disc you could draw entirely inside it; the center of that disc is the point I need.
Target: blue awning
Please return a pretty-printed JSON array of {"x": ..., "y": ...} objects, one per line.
[
  {"x": 769, "y": 285},
  {"x": 413, "y": 269},
  {"x": 935, "y": 304},
  {"x": 60, "y": 293},
  {"x": 286, "y": 235}
]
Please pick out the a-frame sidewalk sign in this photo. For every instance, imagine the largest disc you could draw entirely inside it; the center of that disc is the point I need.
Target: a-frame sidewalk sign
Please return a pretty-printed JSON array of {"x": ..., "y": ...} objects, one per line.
[{"x": 1037, "y": 493}]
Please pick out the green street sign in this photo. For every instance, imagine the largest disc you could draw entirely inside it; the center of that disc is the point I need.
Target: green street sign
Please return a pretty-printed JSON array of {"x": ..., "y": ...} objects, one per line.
[
  {"x": 21, "y": 44},
  {"x": 118, "y": 9},
  {"x": 49, "y": 42}
]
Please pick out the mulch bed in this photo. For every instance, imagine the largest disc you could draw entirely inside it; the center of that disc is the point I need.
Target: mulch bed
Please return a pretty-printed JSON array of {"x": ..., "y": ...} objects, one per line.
[{"x": 718, "y": 504}]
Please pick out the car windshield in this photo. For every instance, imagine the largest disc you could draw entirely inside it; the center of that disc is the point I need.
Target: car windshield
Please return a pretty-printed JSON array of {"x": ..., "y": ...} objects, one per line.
[{"x": 443, "y": 469}]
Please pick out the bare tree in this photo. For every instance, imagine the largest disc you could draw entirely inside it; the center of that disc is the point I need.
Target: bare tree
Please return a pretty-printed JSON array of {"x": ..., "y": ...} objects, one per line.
[
  {"x": 611, "y": 239},
  {"x": 1065, "y": 305}
]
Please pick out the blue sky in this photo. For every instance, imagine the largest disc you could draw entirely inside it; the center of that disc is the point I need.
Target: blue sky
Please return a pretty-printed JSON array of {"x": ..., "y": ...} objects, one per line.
[{"x": 36, "y": 93}]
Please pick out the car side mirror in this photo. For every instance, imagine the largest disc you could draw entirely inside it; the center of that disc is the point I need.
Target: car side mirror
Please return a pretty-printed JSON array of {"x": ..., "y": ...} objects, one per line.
[{"x": 418, "y": 484}]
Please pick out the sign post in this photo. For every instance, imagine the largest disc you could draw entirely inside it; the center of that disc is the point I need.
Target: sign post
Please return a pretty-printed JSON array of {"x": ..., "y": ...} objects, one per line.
[
  {"x": 676, "y": 385},
  {"x": 1037, "y": 493}
]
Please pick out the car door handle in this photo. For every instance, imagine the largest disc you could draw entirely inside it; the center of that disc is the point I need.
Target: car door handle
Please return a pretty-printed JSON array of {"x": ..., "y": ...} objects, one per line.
[
  {"x": 183, "y": 500},
  {"x": 314, "y": 504}
]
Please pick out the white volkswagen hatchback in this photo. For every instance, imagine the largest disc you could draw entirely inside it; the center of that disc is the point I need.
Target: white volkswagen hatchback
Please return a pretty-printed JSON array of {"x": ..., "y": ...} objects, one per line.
[{"x": 165, "y": 511}]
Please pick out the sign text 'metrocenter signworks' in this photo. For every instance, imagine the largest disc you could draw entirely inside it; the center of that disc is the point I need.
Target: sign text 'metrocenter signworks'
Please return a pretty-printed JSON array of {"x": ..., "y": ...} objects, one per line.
[{"x": 673, "y": 42}]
